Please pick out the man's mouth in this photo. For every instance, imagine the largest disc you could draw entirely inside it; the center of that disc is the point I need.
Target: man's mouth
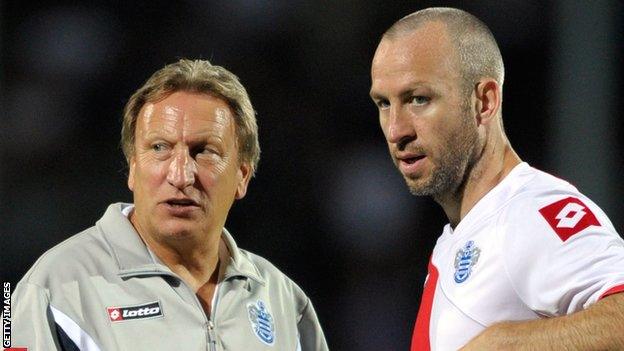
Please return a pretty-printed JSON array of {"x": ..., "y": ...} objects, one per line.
[
  {"x": 181, "y": 202},
  {"x": 410, "y": 163},
  {"x": 411, "y": 160}
]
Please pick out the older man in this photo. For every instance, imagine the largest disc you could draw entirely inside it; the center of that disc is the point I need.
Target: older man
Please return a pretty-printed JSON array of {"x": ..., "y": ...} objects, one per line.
[
  {"x": 163, "y": 273},
  {"x": 526, "y": 262}
]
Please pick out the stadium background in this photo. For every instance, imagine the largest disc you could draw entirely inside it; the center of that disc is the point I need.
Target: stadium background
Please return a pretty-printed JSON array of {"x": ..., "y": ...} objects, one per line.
[{"x": 327, "y": 206}]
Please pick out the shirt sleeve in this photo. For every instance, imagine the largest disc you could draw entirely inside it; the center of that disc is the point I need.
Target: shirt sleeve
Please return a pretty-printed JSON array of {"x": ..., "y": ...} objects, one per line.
[
  {"x": 311, "y": 337},
  {"x": 32, "y": 323},
  {"x": 561, "y": 253}
]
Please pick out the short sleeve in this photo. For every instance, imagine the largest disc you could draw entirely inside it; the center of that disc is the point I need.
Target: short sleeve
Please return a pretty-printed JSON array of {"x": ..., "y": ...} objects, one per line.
[{"x": 561, "y": 253}]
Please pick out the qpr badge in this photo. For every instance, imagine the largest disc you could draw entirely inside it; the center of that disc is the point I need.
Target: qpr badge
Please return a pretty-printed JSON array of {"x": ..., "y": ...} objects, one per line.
[
  {"x": 261, "y": 322},
  {"x": 465, "y": 259}
]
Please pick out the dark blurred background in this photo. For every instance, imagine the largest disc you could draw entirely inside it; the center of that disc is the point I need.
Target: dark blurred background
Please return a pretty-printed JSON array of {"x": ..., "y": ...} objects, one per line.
[{"x": 327, "y": 205}]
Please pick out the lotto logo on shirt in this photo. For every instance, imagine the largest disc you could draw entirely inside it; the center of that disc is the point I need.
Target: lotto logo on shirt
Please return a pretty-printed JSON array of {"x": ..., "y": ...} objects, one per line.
[
  {"x": 568, "y": 217},
  {"x": 148, "y": 310}
]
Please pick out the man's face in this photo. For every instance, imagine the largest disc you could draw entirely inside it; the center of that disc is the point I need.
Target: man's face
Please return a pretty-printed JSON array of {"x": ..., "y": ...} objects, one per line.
[
  {"x": 424, "y": 113},
  {"x": 185, "y": 172}
]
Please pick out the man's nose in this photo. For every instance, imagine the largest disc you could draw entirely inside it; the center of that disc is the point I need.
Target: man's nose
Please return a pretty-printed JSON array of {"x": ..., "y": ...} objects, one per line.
[
  {"x": 400, "y": 127},
  {"x": 182, "y": 169}
]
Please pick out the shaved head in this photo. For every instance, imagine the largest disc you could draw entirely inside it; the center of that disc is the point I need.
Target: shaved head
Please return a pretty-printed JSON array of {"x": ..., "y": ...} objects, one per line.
[{"x": 477, "y": 51}]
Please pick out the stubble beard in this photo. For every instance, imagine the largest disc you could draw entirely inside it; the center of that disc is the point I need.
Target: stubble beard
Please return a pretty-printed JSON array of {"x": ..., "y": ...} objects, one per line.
[{"x": 449, "y": 170}]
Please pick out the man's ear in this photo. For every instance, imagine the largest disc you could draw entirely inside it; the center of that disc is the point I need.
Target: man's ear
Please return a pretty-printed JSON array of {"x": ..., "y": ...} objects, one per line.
[
  {"x": 244, "y": 176},
  {"x": 132, "y": 166},
  {"x": 489, "y": 99}
]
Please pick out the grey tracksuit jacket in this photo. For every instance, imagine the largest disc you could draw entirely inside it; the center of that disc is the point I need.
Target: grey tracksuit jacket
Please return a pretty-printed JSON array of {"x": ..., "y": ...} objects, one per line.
[{"x": 103, "y": 289}]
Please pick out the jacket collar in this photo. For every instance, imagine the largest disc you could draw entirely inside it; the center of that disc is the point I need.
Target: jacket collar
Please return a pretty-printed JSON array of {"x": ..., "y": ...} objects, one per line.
[
  {"x": 236, "y": 262},
  {"x": 134, "y": 258}
]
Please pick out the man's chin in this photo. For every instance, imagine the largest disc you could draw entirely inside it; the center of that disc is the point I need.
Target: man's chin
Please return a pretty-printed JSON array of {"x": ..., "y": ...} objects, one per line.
[
  {"x": 177, "y": 231},
  {"x": 418, "y": 187},
  {"x": 416, "y": 191},
  {"x": 424, "y": 189}
]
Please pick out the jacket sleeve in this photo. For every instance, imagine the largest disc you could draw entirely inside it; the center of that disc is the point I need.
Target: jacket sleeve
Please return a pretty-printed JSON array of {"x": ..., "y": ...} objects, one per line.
[
  {"x": 32, "y": 323},
  {"x": 311, "y": 337}
]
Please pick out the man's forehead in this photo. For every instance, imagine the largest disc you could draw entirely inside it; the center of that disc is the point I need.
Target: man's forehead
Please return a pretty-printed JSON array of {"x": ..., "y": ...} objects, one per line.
[
  {"x": 419, "y": 54},
  {"x": 182, "y": 105},
  {"x": 186, "y": 113},
  {"x": 428, "y": 40}
]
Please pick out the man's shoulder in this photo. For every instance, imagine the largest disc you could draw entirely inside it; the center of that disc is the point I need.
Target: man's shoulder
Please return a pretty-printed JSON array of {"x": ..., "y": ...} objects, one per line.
[
  {"x": 536, "y": 190},
  {"x": 265, "y": 268},
  {"x": 552, "y": 206},
  {"x": 80, "y": 252},
  {"x": 272, "y": 276},
  {"x": 545, "y": 194},
  {"x": 521, "y": 194},
  {"x": 536, "y": 183}
]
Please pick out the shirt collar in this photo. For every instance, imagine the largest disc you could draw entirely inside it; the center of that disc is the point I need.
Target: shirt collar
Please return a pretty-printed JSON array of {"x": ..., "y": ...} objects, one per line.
[
  {"x": 507, "y": 188},
  {"x": 134, "y": 258}
]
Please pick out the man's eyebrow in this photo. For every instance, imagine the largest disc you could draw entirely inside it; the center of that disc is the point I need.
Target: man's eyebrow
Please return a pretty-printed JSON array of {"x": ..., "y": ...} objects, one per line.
[
  {"x": 406, "y": 92},
  {"x": 375, "y": 95},
  {"x": 152, "y": 134}
]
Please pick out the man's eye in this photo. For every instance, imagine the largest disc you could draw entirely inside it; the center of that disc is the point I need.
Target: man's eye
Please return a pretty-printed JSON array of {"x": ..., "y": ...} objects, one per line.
[
  {"x": 158, "y": 147},
  {"x": 205, "y": 151},
  {"x": 419, "y": 100},
  {"x": 383, "y": 104}
]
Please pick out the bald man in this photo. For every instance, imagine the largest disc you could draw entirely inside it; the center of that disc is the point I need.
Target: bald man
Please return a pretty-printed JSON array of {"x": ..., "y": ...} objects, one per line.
[{"x": 526, "y": 261}]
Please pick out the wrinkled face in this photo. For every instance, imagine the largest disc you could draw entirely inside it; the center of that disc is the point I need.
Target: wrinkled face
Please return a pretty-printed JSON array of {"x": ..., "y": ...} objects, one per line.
[
  {"x": 185, "y": 172},
  {"x": 423, "y": 112}
]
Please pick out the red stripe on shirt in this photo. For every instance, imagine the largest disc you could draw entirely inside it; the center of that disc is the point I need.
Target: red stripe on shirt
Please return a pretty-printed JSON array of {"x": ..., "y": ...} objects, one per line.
[
  {"x": 420, "y": 338},
  {"x": 613, "y": 290}
]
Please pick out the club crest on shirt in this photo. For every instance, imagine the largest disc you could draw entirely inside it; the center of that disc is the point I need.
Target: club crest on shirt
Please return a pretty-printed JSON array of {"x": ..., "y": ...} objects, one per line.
[
  {"x": 261, "y": 322},
  {"x": 465, "y": 259}
]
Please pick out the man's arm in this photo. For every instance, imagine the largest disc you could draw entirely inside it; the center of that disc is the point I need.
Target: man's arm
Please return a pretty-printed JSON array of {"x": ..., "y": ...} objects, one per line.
[
  {"x": 599, "y": 327},
  {"x": 311, "y": 335},
  {"x": 32, "y": 324}
]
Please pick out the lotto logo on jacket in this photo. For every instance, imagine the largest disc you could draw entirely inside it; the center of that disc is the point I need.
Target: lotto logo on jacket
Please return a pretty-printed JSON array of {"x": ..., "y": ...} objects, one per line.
[{"x": 149, "y": 310}]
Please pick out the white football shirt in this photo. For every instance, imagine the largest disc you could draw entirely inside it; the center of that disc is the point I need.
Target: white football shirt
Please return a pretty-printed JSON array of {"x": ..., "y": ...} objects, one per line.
[{"x": 533, "y": 247}]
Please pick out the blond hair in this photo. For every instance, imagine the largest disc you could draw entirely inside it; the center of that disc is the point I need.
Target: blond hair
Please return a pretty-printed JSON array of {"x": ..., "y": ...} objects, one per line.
[{"x": 198, "y": 76}]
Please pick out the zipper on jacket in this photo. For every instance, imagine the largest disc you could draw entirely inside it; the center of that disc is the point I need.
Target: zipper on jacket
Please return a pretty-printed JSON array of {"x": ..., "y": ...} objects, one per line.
[
  {"x": 212, "y": 338},
  {"x": 208, "y": 325}
]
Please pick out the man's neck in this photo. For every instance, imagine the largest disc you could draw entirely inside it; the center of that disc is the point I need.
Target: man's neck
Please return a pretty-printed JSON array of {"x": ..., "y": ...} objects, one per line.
[
  {"x": 489, "y": 171},
  {"x": 196, "y": 266},
  {"x": 195, "y": 261}
]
